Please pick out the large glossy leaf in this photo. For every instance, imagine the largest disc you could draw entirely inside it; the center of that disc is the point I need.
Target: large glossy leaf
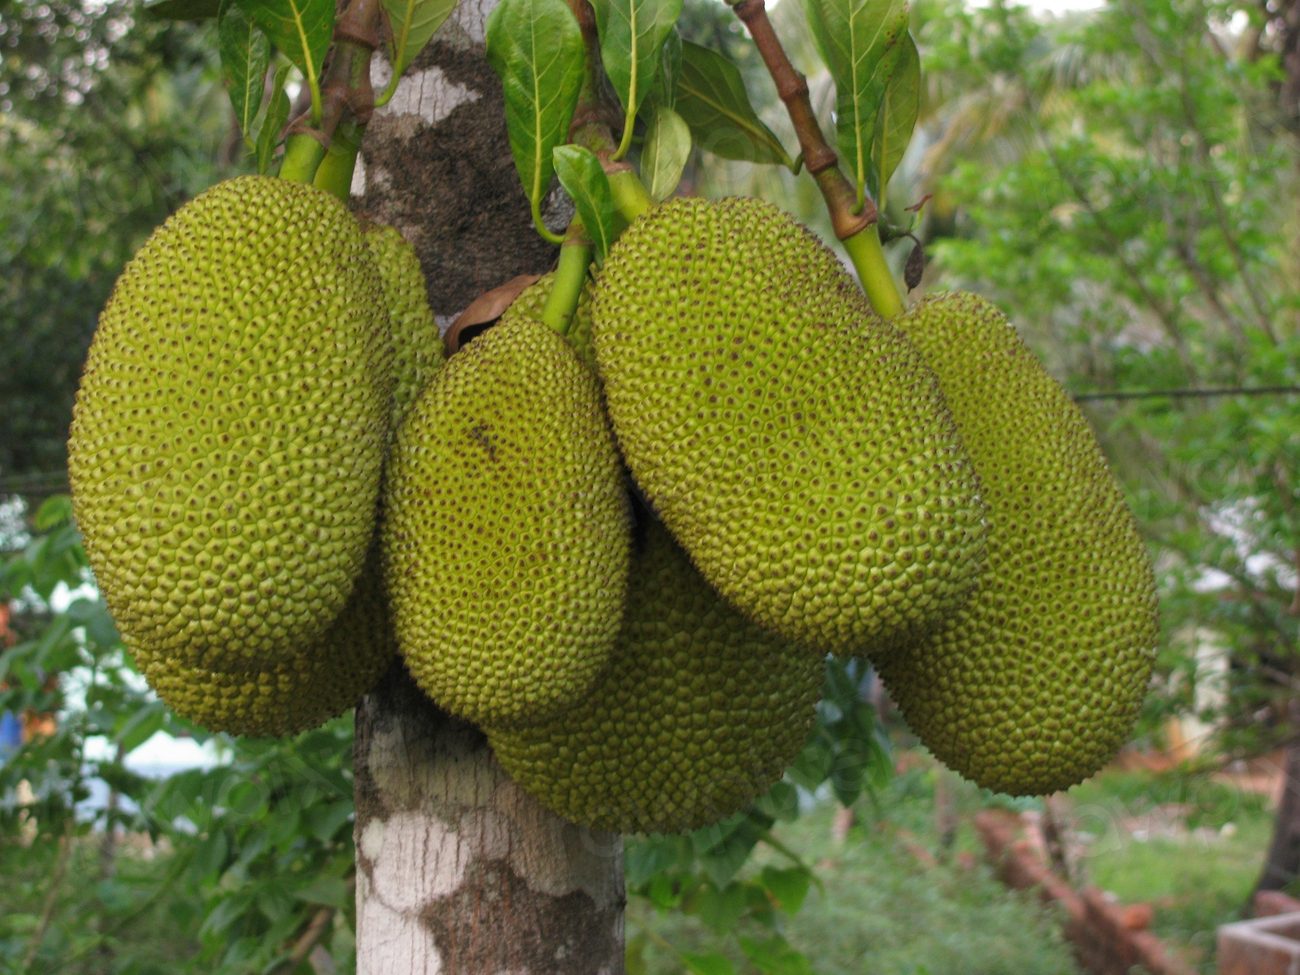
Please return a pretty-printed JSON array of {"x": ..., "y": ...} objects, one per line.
[
  {"x": 245, "y": 54},
  {"x": 302, "y": 29},
  {"x": 667, "y": 146},
  {"x": 861, "y": 42},
  {"x": 711, "y": 98},
  {"x": 632, "y": 34},
  {"x": 670, "y": 70},
  {"x": 535, "y": 47},
  {"x": 585, "y": 181},
  {"x": 897, "y": 119},
  {"x": 413, "y": 22},
  {"x": 273, "y": 120}
]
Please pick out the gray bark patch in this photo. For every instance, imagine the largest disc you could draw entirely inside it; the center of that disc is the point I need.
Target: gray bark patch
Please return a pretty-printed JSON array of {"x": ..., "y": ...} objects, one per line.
[{"x": 566, "y": 935}]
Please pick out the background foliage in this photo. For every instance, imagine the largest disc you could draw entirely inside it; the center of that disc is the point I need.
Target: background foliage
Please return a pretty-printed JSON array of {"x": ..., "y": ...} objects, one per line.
[{"x": 1116, "y": 181}]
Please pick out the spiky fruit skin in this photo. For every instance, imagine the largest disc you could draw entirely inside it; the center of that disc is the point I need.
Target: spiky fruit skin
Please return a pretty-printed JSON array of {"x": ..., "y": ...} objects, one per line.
[
  {"x": 1035, "y": 683},
  {"x": 794, "y": 443},
  {"x": 231, "y": 424},
  {"x": 506, "y": 539},
  {"x": 699, "y": 713},
  {"x": 532, "y": 299},
  {"x": 286, "y": 696},
  {"x": 418, "y": 350}
]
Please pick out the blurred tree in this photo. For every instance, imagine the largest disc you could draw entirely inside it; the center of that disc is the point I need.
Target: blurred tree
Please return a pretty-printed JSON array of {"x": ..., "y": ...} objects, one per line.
[
  {"x": 108, "y": 121},
  {"x": 1131, "y": 220}
]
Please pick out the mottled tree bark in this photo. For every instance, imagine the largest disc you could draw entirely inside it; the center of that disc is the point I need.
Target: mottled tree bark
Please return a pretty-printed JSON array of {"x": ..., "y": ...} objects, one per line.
[{"x": 458, "y": 870}]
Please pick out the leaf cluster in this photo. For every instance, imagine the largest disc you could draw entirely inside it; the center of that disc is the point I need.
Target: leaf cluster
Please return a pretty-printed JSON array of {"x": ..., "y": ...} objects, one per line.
[{"x": 231, "y": 861}]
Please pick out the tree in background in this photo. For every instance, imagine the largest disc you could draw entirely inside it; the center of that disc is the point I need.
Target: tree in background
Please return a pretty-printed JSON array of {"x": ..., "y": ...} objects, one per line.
[
  {"x": 1129, "y": 207},
  {"x": 108, "y": 122}
]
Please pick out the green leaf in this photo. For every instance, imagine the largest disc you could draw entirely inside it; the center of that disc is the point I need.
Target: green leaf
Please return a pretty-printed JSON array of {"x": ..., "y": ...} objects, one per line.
[
  {"x": 710, "y": 964},
  {"x": 141, "y": 726},
  {"x": 860, "y": 41},
  {"x": 664, "y": 892},
  {"x": 302, "y": 29},
  {"x": 898, "y": 114},
  {"x": 93, "y": 616},
  {"x": 814, "y": 764},
  {"x": 585, "y": 181},
  {"x": 646, "y": 857},
  {"x": 663, "y": 157},
  {"x": 330, "y": 891},
  {"x": 632, "y": 33},
  {"x": 54, "y": 511},
  {"x": 781, "y": 802},
  {"x": 789, "y": 886},
  {"x": 273, "y": 120},
  {"x": 413, "y": 22},
  {"x": 719, "y": 907},
  {"x": 183, "y": 9},
  {"x": 245, "y": 54},
  {"x": 210, "y": 855},
  {"x": 536, "y": 49},
  {"x": 670, "y": 71},
  {"x": 775, "y": 956},
  {"x": 712, "y": 100},
  {"x": 325, "y": 820}
]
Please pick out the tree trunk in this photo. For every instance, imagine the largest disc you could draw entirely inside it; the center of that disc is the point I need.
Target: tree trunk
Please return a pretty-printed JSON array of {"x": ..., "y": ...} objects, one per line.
[
  {"x": 458, "y": 870},
  {"x": 1282, "y": 864}
]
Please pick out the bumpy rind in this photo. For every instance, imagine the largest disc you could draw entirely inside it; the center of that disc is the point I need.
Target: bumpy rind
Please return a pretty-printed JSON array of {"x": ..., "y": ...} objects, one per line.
[
  {"x": 506, "y": 538},
  {"x": 418, "y": 351},
  {"x": 700, "y": 712},
  {"x": 1035, "y": 683},
  {"x": 230, "y": 427},
  {"x": 532, "y": 299},
  {"x": 286, "y": 697},
  {"x": 794, "y": 443}
]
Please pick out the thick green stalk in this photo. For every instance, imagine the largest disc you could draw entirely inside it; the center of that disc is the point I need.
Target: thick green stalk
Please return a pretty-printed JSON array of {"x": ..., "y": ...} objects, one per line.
[
  {"x": 302, "y": 157},
  {"x": 335, "y": 172},
  {"x": 878, "y": 281},
  {"x": 570, "y": 277},
  {"x": 630, "y": 196}
]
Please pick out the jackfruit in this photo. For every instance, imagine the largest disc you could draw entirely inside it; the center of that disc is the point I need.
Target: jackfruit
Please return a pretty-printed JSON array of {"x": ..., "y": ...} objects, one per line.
[
  {"x": 699, "y": 713},
  {"x": 283, "y": 696},
  {"x": 417, "y": 344},
  {"x": 1036, "y": 681},
  {"x": 794, "y": 443},
  {"x": 230, "y": 427},
  {"x": 506, "y": 534},
  {"x": 531, "y": 300},
  {"x": 329, "y": 675}
]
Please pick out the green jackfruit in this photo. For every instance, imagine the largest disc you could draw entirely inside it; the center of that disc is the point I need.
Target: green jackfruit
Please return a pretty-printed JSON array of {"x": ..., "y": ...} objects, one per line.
[
  {"x": 531, "y": 300},
  {"x": 417, "y": 344},
  {"x": 1035, "y": 683},
  {"x": 231, "y": 425},
  {"x": 286, "y": 696},
  {"x": 794, "y": 443},
  {"x": 506, "y": 537},
  {"x": 329, "y": 675},
  {"x": 699, "y": 713}
]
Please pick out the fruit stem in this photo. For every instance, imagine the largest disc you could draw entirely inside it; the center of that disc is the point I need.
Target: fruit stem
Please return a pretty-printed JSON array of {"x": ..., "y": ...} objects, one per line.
[
  {"x": 302, "y": 156},
  {"x": 631, "y": 199},
  {"x": 878, "y": 281},
  {"x": 570, "y": 277},
  {"x": 853, "y": 220},
  {"x": 335, "y": 172},
  {"x": 347, "y": 99}
]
